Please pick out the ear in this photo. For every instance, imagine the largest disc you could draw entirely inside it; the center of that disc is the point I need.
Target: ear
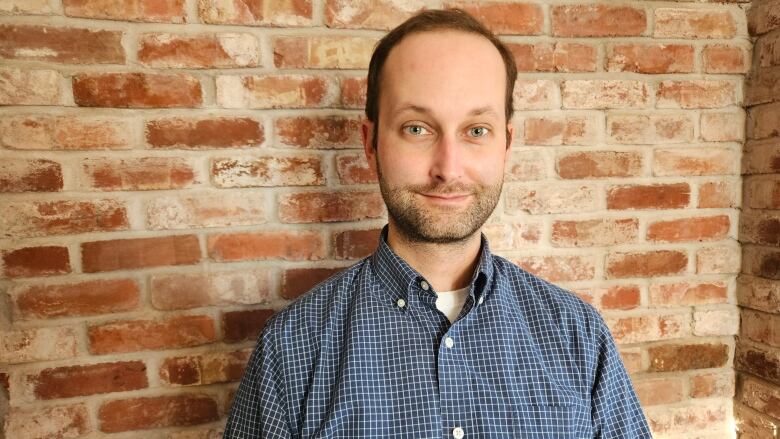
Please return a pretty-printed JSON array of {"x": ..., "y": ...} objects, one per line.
[
  {"x": 510, "y": 134},
  {"x": 367, "y": 135}
]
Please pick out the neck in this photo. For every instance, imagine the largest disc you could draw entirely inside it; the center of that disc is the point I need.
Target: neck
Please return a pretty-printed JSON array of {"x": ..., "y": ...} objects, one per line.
[{"x": 446, "y": 267}]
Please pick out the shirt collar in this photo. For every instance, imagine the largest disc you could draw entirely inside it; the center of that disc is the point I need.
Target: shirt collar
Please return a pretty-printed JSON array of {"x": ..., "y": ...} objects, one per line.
[{"x": 398, "y": 278}]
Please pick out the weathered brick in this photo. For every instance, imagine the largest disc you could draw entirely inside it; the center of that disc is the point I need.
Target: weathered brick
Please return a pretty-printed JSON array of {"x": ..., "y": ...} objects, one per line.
[
  {"x": 723, "y": 58},
  {"x": 254, "y": 13},
  {"x": 41, "y": 218},
  {"x": 244, "y": 325},
  {"x": 164, "y": 11},
  {"x": 713, "y": 385},
  {"x": 716, "y": 194},
  {"x": 313, "y": 207},
  {"x": 711, "y": 228},
  {"x": 189, "y": 133},
  {"x": 295, "y": 246},
  {"x": 761, "y": 327},
  {"x": 353, "y": 168},
  {"x": 761, "y": 156},
  {"x": 655, "y": 391},
  {"x": 645, "y": 328},
  {"x": 557, "y": 57},
  {"x": 273, "y": 91},
  {"x": 763, "y": 17},
  {"x": 30, "y": 87},
  {"x": 569, "y": 130},
  {"x": 559, "y": 268},
  {"x": 296, "y": 281},
  {"x": 604, "y": 93},
  {"x": 642, "y": 129},
  {"x": 762, "y": 193},
  {"x": 645, "y": 264},
  {"x": 759, "y": 361},
  {"x": 323, "y": 52},
  {"x": 377, "y": 14},
  {"x": 509, "y": 236},
  {"x": 75, "y": 299},
  {"x": 506, "y": 18},
  {"x": 201, "y": 51},
  {"x": 140, "y": 335},
  {"x": 206, "y": 210},
  {"x": 526, "y": 165},
  {"x": 688, "y": 294},
  {"x": 657, "y": 196},
  {"x": 36, "y": 261},
  {"x": 137, "y": 90},
  {"x": 22, "y": 175},
  {"x": 545, "y": 198},
  {"x": 269, "y": 170},
  {"x": 536, "y": 94},
  {"x": 651, "y": 58},
  {"x": 124, "y": 254},
  {"x": 91, "y": 379},
  {"x": 717, "y": 260},
  {"x": 757, "y": 293},
  {"x": 37, "y": 344},
  {"x": 753, "y": 424},
  {"x": 65, "y": 421},
  {"x": 701, "y": 93},
  {"x": 193, "y": 290},
  {"x": 598, "y": 20},
  {"x": 723, "y": 127},
  {"x": 762, "y": 86},
  {"x": 762, "y": 121},
  {"x": 716, "y": 322},
  {"x": 355, "y": 244},
  {"x": 599, "y": 164},
  {"x": 61, "y": 44},
  {"x": 26, "y": 7},
  {"x": 695, "y": 161},
  {"x": 209, "y": 368},
  {"x": 760, "y": 396},
  {"x": 621, "y": 297},
  {"x": 594, "y": 233},
  {"x": 66, "y": 132},
  {"x": 157, "y": 412},
  {"x": 328, "y": 132},
  {"x": 677, "y": 357},
  {"x": 694, "y": 23},
  {"x": 353, "y": 91},
  {"x": 767, "y": 52},
  {"x": 700, "y": 418},
  {"x": 134, "y": 174},
  {"x": 632, "y": 360}
]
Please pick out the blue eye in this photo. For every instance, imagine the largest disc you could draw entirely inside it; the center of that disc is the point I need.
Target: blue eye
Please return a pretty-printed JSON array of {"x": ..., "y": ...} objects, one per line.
[
  {"x": 478, "y": 132},
  {"x": 416, "y": 130}
]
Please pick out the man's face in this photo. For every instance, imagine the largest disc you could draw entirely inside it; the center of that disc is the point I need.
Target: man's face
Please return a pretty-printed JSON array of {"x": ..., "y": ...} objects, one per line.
[{"x": 442, "y": 135}]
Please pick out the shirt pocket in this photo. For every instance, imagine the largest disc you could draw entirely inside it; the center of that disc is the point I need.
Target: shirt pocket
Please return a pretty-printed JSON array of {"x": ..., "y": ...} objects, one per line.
[{"x": 558, "y": 419}]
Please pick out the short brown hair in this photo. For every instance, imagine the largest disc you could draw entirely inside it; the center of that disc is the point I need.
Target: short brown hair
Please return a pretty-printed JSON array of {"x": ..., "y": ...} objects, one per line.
[{"x": 426, "y": 21}]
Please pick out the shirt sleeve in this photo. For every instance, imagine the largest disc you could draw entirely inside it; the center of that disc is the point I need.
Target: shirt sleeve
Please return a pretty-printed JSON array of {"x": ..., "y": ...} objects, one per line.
[
  {"x": 616, "y": 410},
  {"x": 258, "y": 409}
]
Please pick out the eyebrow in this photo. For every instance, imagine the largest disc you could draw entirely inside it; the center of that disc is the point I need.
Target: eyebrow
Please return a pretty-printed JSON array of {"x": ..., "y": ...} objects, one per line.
[{"x": 475, "y": 112}]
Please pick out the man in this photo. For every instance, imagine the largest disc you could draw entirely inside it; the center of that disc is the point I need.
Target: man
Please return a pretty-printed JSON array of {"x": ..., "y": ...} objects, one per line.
[{"x": 433, "y": 336}]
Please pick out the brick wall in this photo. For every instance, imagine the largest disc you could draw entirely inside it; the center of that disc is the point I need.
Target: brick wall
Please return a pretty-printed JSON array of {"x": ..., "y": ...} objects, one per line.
[
  {"x": 173, "y": 171},
  {"x": 757, "y": 359}
]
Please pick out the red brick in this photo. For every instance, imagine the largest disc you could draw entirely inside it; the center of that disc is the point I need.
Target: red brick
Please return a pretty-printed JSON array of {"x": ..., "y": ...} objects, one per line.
[
  {"x": 37, "y": 344},
  {"x": 355, "y": 244},
  {"x": 762, "y": 121},
  {"x": 193, "y": 290},
  {"x": 330, "y": 132},
  {"x": 696, "y": 94},
  {"x": 273, "y": 91},
  {"x": 250, "y": 12},
  {"x": 672, "y": 358},
  {"x": 44, "y": 132},
  {"x": 621, "y": 297},
  {"x": 558, "y": 57},
  {"x": 296, "y": 281},
  {"x": 202, "y": 51},
  {"x": 758, "y": 361},
  {"x": 295, "y": 246},
  {"x": 323, "y": 52},
  {"x": 26, "y": 7},
  {"x": 134, "y": 174},
  {"x": 759, "y": 395},
  {"x": 594, "y": 233},
  {"x": 244, "y": 325},
  {"x": 140, "y": 335},
  {"x": 63, "y": 421},
  {"x": 61, "y": 44},
  {"x": 722, "y": 58},
  {"x": 313, "y": 207},
  {"x": 353, "y": 92},
  {"x": 694, "y": 23},
  {"x": 602, "y": 94},
  {"x": 137, "y": 90},
  {"x": 353, "y": 168},
  {"x": 632, "y": 360},
  {"x": 723, "y": 127},
  {"x": 760, "y": 228},
  {"x": 717, "y": 194},
  {"x": 76, "y": 299},
  {"x": 688, "y": 294},
  {"x": 206, "y": 210},
  {"x": 526, "y": 165},
  {"x": 641, "y": 329},
  {"x": 157, "y": 412},
  {"x": 41, "y": 218},
  {"x": 209, "y": 368},
  {"x": 657, "y": 391},
  {"x": 651, "y": 58},
  {"x": 762, "y": 86},
  {"x": 761, "y": 156},
  {"x": 164, "y": 11},
  {"x": 645, "y": 264},
  {"x": 599, "y": 164},
  {"x": 127, "y": 254},
  {"x": 641, "y": 129},
  {"x": 657, "y": 196},
  {"x": 36, "y": 261},
  {"x": 699, "y": 229},
  {"x": 695, "y": 161},
  {"x": 762, "y": 193},
  {"x": 560, "y": 198},
  {"x": 570, "y": 130},
  {"x": 713, "y": 385},
  {"x": 71, "y": 381},
  {"x": 559, "y": 268},
  {"x": 270, "y": 170},
  {"x": 536, "y": 94},
  {"x": 30, "y": 87},
  {"x": 597, "y": 21},
  {"x": 506, "y": 18},
  {"x": 22, "y": 175},
  {"x": 760, "y": 327},
  {"x": 221, "y": 132},
  {"x": 378, "y": 14}
]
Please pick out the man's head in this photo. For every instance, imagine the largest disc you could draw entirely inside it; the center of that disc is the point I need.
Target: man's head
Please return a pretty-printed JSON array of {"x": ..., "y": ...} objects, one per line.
[{"x": 439, "y": 105}]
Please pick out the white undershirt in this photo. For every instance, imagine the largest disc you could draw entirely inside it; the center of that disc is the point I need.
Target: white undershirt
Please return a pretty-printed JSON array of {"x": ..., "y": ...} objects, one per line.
[{"x": 451, "y": 302}]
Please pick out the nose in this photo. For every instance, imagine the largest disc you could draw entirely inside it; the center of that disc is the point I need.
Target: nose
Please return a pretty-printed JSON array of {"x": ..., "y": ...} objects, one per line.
[{"x": 447, "y": 164}]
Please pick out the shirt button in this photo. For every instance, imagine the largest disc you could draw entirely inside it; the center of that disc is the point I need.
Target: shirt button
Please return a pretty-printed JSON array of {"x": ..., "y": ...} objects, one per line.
[
  {"x": 424, "y": 285},
  {"x": 458, "y": 433},
  {"x": 449, "y": 342},
  {"x": 401, "y": 303},
  {"x": 481, "y": 299}
]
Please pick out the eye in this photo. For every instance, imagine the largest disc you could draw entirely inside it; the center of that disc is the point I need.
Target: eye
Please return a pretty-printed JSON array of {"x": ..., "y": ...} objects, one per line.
[
  {"x": 416, "y": 130},
  {"x": 478, "y": 131}
]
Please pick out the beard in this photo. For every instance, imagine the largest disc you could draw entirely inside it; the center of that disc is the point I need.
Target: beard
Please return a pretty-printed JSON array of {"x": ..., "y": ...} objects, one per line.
[{"x": 420, "y": 223}]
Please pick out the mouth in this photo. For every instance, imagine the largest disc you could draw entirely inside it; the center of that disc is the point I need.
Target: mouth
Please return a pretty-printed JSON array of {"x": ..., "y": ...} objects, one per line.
[{"x": 446, "y": 198}]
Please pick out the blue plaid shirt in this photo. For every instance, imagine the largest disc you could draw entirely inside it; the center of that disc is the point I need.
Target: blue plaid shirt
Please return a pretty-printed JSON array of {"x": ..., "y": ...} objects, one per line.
[{"x": 366, "y": 354}]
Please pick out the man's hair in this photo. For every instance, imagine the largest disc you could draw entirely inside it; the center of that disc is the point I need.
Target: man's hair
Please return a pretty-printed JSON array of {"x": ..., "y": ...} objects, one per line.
[{"x": 427, "y": 21}]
